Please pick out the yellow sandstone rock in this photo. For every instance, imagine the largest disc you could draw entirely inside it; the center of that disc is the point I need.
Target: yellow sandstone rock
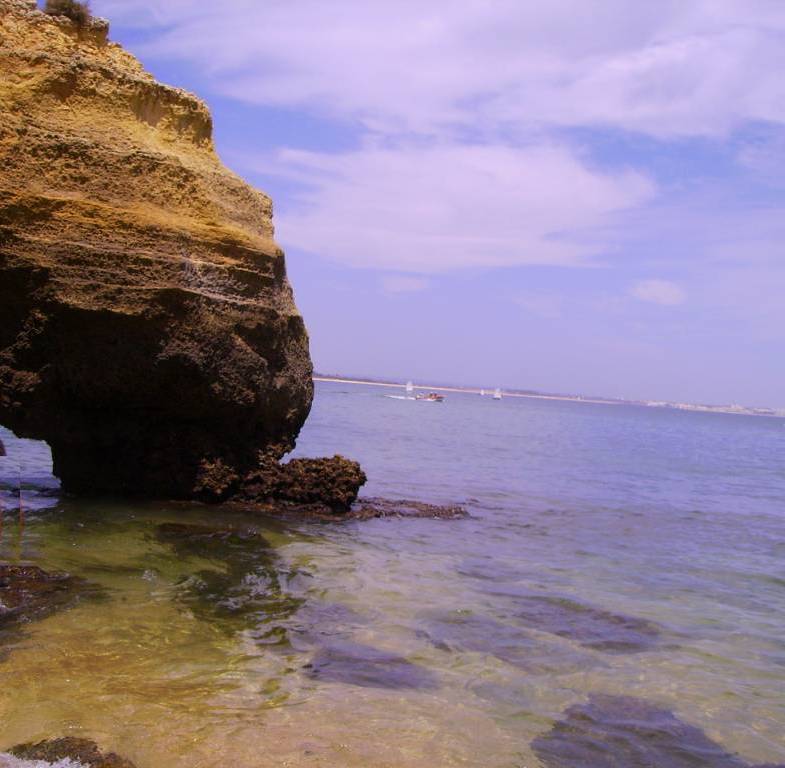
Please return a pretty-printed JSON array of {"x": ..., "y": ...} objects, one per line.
[{"x": 147, "y": 325}]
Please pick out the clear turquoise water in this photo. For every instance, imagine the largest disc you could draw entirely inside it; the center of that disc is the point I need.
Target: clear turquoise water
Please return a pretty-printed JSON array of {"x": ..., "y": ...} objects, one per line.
[{"x": 611, "y": 549}]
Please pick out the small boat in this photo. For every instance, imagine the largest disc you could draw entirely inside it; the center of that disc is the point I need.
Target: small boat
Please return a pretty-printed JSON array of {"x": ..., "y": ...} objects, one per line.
[
  {"x": 409, "y": 393},
  {"x": 482, "y": 393},
  {"x": 431, "y": 397},
  {"x": 497, "y": 394}
]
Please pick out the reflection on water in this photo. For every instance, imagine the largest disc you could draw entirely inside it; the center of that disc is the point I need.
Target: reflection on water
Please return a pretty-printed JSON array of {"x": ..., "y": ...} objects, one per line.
[{"x": 620, "y": 579}]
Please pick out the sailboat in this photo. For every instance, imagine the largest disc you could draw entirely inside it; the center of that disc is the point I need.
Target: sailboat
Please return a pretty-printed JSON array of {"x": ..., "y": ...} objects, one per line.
[
  {"x": 409, "y": 393},
  {"x": 497, "y": 394},
  {"x": 482, "y": 393}
]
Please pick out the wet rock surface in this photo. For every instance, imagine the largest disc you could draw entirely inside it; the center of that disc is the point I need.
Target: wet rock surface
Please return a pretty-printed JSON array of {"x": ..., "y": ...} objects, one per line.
[
  {"x": 328, "y": 483},
  {"x": 352, "y": 663},
  {"x": 28, "y": 592},
  {"x": 80, "y": 751},
  {"x": 624, "y": 732},
  {"x": 148, "y": 330},
  {"x": 587, "y": 625}
]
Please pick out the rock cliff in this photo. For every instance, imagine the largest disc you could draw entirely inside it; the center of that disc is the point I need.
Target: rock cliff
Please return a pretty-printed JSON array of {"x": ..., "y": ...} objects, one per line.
[{"x": 147, "y": 326}]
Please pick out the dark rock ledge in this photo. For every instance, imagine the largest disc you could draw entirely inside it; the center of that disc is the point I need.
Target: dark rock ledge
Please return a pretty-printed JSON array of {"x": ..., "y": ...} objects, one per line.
[
  {"x": 330, "y": 483},
  {"x": 321, "y": 489},
  {"x": 363, "y": 509},
  {"x": 370, "y": 507}
]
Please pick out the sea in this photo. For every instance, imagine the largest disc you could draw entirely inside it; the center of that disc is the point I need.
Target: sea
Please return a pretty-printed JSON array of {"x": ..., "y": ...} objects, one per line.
[{"x": 615, "y": 597}]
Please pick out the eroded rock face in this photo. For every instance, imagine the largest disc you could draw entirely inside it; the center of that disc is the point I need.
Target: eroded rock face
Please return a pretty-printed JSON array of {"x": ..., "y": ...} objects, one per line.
[
  {"x": 147, "y": 326},
  {"x": 329, "y": 482}
]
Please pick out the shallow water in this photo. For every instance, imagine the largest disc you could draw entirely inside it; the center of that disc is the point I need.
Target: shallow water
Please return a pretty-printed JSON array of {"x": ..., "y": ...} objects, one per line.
[
  {"x": 612, "y": 550},
  {"x": 9, "y": 761}
]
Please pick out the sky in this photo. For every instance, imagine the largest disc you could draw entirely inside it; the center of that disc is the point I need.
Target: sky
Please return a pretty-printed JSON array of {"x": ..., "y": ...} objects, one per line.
[{"x": 578, "y": 196}]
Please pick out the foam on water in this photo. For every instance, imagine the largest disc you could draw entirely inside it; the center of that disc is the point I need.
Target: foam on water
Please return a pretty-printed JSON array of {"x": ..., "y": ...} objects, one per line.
[{"x": 9, "y": 761}]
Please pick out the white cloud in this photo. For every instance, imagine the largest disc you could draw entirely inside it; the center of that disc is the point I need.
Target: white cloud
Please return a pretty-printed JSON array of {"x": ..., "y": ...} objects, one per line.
[
  {"x": 669, "y": 68},
  {"x": 661, "y": 292},
  {"x": 457, "y": 108},
  {"x": 429, "y": 209},
  {"x": 403, "y": 284}
]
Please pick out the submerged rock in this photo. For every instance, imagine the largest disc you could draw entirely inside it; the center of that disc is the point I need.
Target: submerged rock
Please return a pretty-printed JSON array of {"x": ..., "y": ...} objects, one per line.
[
  {"x": 148, "y": 331},
  {"x": 623, "y": 732},
  {"x": 244, "y": 591},
  {"x": 460, "y": 632},
  {"x": 370, "y": 507},
  {"x": 592, "y": 627},
  {"x": 367, "y": 667},
  {"x": 81, "y": 752},
  {"x": 225, "y": 544},
  {"x": 27, "y": 592},
  {"x": 362, "y": 509}
]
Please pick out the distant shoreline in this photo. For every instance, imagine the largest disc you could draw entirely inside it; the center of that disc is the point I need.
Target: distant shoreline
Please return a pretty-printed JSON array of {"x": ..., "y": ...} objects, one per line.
[
  {"x": 468, "y": 390},
  {"x": 729, "y": 410}
]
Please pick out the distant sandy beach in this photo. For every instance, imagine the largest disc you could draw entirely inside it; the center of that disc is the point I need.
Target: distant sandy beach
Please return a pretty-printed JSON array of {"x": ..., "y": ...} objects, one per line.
[{"x": 466, "y": 390}]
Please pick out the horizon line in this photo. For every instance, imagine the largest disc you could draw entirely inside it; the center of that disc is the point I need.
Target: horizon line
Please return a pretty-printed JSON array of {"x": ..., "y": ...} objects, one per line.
[{"x": 731, "y": 409}]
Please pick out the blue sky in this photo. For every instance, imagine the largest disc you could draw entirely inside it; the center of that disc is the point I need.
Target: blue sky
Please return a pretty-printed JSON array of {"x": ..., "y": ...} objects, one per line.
[{"x": 571, "y": 196}]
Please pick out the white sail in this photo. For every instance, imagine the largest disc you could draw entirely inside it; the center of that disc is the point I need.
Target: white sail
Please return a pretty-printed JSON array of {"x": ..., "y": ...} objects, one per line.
[
  {"x": 497, "y": 394},
  {"x": 409, "y": 387}
]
